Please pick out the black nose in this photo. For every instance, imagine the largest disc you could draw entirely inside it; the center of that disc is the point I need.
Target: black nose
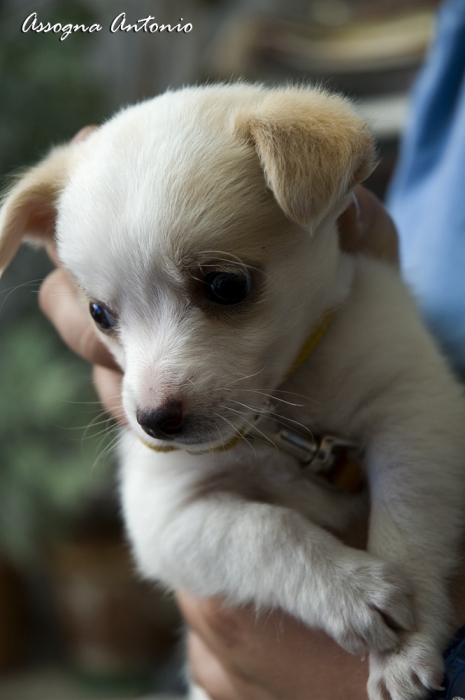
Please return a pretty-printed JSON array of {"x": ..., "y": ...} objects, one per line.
[{"x": 163, "y": 423}]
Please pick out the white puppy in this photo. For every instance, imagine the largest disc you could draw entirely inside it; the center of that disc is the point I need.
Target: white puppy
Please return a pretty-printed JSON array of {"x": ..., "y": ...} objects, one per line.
[{"x": 201, "y": 227}]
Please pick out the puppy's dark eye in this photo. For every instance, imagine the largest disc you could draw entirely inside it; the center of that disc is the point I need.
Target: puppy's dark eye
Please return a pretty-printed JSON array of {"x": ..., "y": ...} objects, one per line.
[
  {"x": 228, "y": 287},
  {"x": 102, "y": 317}
]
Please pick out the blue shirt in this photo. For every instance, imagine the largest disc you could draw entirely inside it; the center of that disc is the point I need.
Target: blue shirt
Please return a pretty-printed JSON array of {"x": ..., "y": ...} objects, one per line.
[
  {"x": 427, "y": 201},
  {"x": 454, "y": 677},
  {"x": 427, "y": 195}
]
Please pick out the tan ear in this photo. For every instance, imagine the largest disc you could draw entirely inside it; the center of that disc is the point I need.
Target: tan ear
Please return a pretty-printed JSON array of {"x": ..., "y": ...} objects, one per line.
[
  {"x": 29, "y": 207},
  {"x": 313, "y": 148}
]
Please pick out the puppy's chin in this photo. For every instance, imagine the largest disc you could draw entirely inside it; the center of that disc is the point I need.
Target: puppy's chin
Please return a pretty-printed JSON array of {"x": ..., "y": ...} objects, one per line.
[
  {"x": 198, "y": 436},
  {"x": 201, "y": 446}
]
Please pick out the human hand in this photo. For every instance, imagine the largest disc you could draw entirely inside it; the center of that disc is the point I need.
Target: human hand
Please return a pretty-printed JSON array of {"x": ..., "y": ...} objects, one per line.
[
  {"x": 235, "y": 655},
  {"x": 366, "y": 227}
]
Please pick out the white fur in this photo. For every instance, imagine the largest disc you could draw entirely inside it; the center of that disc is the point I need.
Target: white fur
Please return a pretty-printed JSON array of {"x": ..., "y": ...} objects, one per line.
[{"x": 167, "y": 186}]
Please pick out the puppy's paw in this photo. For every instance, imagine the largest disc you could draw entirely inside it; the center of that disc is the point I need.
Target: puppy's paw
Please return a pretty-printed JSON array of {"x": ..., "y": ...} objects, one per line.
[
  {"x": 407, "y": 674},
  {"x": 369, "y": 604}
]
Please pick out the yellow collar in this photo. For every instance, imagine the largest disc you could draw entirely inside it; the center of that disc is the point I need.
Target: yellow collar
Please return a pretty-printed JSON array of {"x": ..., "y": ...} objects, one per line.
[
  {"x": 307, "y": 348},
  {"x": 312, "y": 341}
]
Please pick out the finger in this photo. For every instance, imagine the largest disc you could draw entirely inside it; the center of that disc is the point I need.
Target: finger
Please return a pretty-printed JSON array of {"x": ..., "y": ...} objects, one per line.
[
  {"x": 378, "y": 231},
  {"x": 220, "y": 682},
  {"x": 51, "y": 250},
  {"x": 108, "y": 385},
  {"x": 366, "y": 227},
  {"x": 199, "y": 614},
  {"x": 349, "y": 227},
  {"x": 231, "y": 636},
  {"x": 235, "y": 672},
  {"x": 272, "y": 652},
  {"x": 207, "y": 671},
  {"x": 84, "y": 133},
  {"x": 58, "y": 300}
]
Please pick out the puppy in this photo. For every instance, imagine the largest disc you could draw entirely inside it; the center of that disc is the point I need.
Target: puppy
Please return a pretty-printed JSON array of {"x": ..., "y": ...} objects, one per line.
[{"x": 201, "y": 228}]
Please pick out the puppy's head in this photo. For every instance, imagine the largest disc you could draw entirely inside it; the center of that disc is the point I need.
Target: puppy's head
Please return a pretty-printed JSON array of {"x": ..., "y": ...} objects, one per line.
[{"x": 200, "y": 227}]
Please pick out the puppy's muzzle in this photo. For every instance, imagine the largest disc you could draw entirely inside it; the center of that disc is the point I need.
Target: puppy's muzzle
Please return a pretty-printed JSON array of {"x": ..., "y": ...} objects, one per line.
[{"x": 163, "y": 423}]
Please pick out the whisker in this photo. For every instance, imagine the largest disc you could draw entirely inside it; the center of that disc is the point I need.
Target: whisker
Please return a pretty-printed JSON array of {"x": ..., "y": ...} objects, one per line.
[
  {"x": 240, "y": 413},
  {"x": 300, "y": 396},
  {"x": 285, "y": 420},
  {"x": 276, "y": 416},
  {"x": 10, "y": 290},
  {"x": 93, "y": 436},
  {"x": 276, "y": 398},
  {"x": 107, "y": 438},
  {"x": 246, "y": 376},
  {"x": 232, "y": 425},
  {"x": 250, "y": 408},
  {"x": 92, "y": 424},
  {"x": 107, "y": 450},
  {"x": 87, "y": 403},
  {"x": 219, "y": 432}
]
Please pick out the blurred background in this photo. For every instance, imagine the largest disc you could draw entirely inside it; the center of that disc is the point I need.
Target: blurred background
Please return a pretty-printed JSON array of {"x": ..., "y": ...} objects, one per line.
[{"x": 75, "y": 622}]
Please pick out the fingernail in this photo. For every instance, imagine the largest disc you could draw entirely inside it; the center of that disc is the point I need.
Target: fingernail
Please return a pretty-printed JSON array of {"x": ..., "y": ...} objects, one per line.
[{"x": 357, "y": 206}]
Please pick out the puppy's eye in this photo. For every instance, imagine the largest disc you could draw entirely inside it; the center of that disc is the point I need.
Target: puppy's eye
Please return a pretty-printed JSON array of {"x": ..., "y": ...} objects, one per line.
[
  {"x": 228, "y": 287},
  {"x": 102, "y": 317}
]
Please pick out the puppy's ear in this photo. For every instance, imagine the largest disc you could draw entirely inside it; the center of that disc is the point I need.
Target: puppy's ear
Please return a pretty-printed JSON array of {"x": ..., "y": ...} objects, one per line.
[
  {"x": 312, "y": 146},
  {"x": 29, "y": 208}
]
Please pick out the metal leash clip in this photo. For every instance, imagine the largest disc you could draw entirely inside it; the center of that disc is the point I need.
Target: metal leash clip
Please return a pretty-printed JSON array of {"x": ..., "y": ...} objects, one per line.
[{"x": 332, "y": 460}]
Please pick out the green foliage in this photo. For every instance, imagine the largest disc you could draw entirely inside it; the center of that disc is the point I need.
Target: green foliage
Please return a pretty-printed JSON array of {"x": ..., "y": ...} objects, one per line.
[
  {"x": 48, "y": 90},
  {"x": 49, "y": 460},
  {"x": 49, "y": 464}
]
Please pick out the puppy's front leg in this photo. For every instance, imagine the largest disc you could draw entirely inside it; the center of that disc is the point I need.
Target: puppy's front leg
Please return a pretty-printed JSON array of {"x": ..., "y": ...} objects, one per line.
[
  {"x": 255, "y": 552},
  {"x": 417, "y": 516}
]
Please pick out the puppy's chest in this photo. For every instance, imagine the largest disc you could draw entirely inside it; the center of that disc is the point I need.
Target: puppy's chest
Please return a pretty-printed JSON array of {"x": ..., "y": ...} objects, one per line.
[
  {"x": 322, "y": 404},
  {"x": 342, "y": 388},
  {"x": 260, "y": 471}
]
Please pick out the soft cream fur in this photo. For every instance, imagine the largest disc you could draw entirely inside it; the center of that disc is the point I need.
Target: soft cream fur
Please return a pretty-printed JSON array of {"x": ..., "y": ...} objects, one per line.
[{"x": 241, "y": 175}]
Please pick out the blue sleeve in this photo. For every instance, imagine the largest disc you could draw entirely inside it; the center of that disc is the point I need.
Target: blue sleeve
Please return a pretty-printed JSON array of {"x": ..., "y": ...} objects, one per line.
[
  {"x": 454, "y": 677},
  {"x": 427, "y": 195}
]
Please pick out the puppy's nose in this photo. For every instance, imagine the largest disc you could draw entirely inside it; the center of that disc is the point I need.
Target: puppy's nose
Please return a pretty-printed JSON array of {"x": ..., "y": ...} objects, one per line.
[{"x": 163, "y": 423}]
